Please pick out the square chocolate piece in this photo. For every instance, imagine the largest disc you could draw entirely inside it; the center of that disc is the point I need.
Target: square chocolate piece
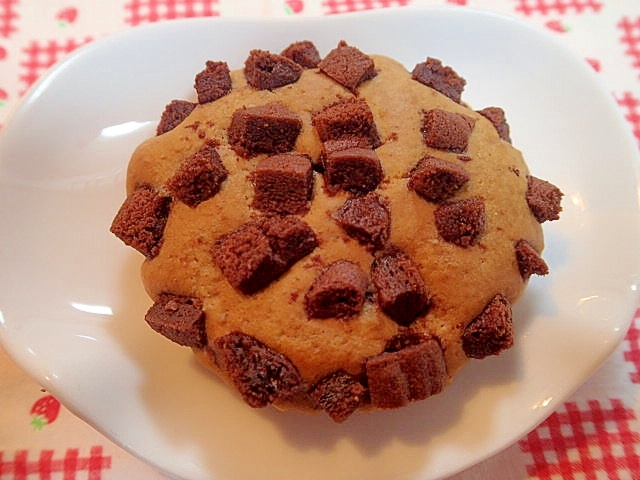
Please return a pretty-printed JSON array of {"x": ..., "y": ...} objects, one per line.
[
  {"x": 356, "y": 170},
  {"x": 199, "y": 177},
  {"x": 348, "y": 66},
  {"x": 283, "y": 184},
  {"x": 446, "y": 130},
  {"x": 270, "y": 128},
  {"x": 213, "y": 82},
  {"x": 141, "y": 219},
  {"x": 345, "y": 120}
]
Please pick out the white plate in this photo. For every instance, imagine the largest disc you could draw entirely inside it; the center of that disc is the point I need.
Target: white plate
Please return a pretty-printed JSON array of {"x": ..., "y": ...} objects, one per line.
[{"x": 71, "y": 302}]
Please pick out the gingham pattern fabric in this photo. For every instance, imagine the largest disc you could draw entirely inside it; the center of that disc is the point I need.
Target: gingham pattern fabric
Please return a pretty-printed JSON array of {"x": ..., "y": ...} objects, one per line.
[{"x": 595, "y": 434}]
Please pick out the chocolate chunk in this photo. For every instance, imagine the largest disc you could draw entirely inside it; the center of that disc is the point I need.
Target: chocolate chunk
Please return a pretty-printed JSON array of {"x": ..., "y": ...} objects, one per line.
[
  {"x": 496, "y": 116},
  {"x": 141, "y": 219},
  {"x": 266, "y": 71},
  {"x": 256, "y": 253},
  {"x": 412, "y": 373},
  {"x": 367, "y": 219},
  {"x": 491, "y": 331},
  {"x": 439, "y": 77},
  {"x": 401, "y": 291},
  {"x": 403, "y": 339},
  {"x": 290, "y": 238},
  {"x": 283, "y": 184},
  {"x": 446, "y": 130},
  {"x": 246, "y": 259},
  {"x": 355, "y": 170},
  {"x": 179, "y": 318},
  {"x": 271, "y": 128},
  {"x": 338, "y": 291},
  {"x": 213, "y": 82},
  {"x": 332, "y": 146},
  {"x": 543, "y": 199},
  {"x": 346, "y": 119},
  {"x": 304, "y": 53},
  {"x": 199, "y": 177},
  {"x": 461, "y": 222},
  {"x": 261, "y": 374},
  {"x": 339, "y": 394},
  {"x": 529, "y": 260},
  {"x": 174, "y": 113},
  {"x": 347, "y": 66},
  {"x": 436, "y": 180}
]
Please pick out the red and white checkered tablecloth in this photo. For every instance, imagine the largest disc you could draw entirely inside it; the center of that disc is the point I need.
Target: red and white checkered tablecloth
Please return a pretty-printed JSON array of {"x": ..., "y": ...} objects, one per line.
[{"x": 595, "y": 434}]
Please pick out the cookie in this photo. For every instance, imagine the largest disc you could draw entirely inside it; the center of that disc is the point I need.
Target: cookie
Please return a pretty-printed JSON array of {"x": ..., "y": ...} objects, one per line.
[{"x": 334, "y": 233}]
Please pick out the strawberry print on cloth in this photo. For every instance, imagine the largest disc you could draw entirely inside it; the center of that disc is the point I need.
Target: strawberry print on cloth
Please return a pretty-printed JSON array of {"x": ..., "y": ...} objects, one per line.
[{"x": 45, "y": 410}]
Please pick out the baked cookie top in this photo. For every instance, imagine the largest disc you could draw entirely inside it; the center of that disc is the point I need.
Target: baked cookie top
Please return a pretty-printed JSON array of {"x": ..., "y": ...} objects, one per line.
[{"x": 334, "y": 233}]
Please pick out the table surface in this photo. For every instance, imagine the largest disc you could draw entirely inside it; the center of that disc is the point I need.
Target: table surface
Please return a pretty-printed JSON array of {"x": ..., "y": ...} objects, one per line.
[{"x": 594, "y": 434}]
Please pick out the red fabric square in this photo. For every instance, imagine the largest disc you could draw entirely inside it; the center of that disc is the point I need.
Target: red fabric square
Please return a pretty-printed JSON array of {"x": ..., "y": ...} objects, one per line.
[
  {"x": 546, "y": 7},
  {"x": 8, "y": 17},
  {"x": 21, "y": 468},
  {"x": 589, "y": 442},
  {"x": 631, "y": 109},
  {"x": 146, "y": 11},
  {"x": 40, "y": 56},
  {"x": 342, "y": 6}
]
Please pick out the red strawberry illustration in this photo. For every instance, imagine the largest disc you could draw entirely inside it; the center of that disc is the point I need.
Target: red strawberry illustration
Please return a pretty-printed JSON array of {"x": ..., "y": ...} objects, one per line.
[
  {"x": 45, "y": 410},
  {"x": 4, "y": 96},
  {"x": 457, "y": 2},
  {"x": 3, "y": 53},
  {"x": 67, "y": 16},
  {"x": 557, "y": 26},
  {"x": 294, "y": 6}
]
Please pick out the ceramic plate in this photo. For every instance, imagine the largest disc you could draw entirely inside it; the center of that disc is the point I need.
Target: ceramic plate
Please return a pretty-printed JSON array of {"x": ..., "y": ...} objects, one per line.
[{"x": 71, "y": 303}]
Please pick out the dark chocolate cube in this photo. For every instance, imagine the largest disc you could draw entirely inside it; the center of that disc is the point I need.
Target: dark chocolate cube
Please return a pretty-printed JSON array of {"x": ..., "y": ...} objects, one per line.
[
  {"x": 496, "y": 116},
  {"x": 491, "y": 331},
  {"x": 401, "y": 291},
  {"x": 213, "y": 82},
  {"x": 246, "y": 259},
  {"x": 271, "y": 128},
  {"x": 348, "y": 66},
  {"x": 446, "y": 130},
  {"x": 283, "y": 184},
  {"x": 141, "y": 220},
  {"x": 436, "y": 180},
  {"x": 290, "y": 237},
  {"x": 444, "y": 79},
  {"x": 355, "y": 170},
  {"x": 461, "y": 222},
  {"x": 544, "y": 199},
  {"x": 179, "y": 318},
  {"x": 173, "y": 115},
  {"x": 339, "y": 394},
  {"x": 199, "y": 177},
  {"x": 267, "y": 71},
  {"x": 346, "y": 119},
  {"x": 304, "y": 53},
  {"x": 338, "y": 291},
  {"x": 529, "y": 260},
  {"x": 261, "y": 374},
  {"x": 367, "y": 219},
  {"x": 412, "y": 373}
]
